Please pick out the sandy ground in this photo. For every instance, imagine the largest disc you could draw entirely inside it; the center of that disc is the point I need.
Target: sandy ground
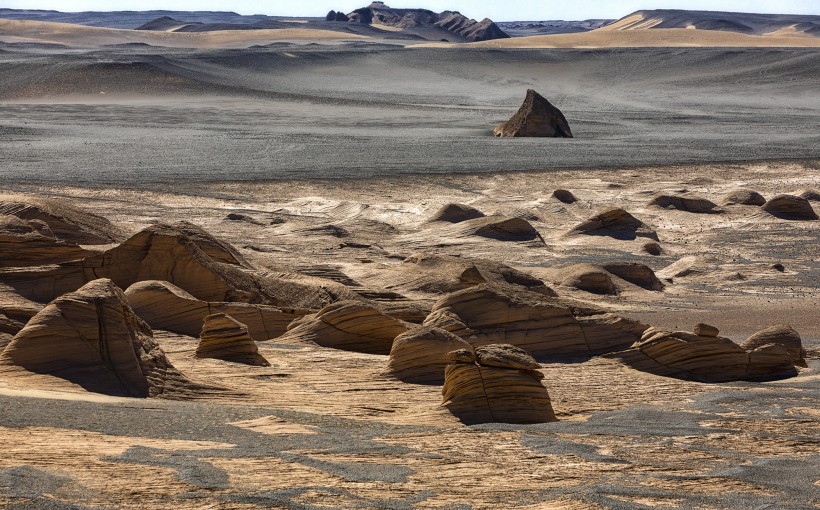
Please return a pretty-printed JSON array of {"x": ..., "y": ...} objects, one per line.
[{"x": 196, "y": 135}]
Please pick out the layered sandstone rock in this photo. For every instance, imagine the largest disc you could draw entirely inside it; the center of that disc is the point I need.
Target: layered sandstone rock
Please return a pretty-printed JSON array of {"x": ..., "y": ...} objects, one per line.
[
  {"x": 537, "y": 117},
  {"x": 743, "y": 197},
  {"x": 539, "y": 324},
  {"x": 496, "y": 383},
  {"x": 589, "y": 278},
  {"x": 93, "y": 339},
  {"x": 68, "y": 223},
  {"x": 456, "y": 213},
  {"x": 706, "y": 357},
  {"x": 165, "y": 306},
  {"x": 635, "y": 273},
  {"x": 350, "y": 326},
  {"x": 616, "y": 223},
  {"x": 687, "y": 203},
  {"x": 501, "y": 228},
  {"x": 418, "y": 356},
  {"x": 790, "y": 207},
  {"x": 31, "y": 243},
  {"x": 782, "y": 335},
  {"x": 225, "y": 338}
]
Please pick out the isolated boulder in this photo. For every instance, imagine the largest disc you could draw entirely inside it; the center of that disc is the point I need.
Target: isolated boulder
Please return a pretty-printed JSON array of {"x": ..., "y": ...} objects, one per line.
[
  {"x": 782, "y": 335},
  {"x": 225, "y": 338},
  {"x": 350, "y": 326},
  {"x": 743, "y": 197},
  {"x": 790, "y": 207},
  {"x": 687, "y": 203},
  {"x": 536, "y": 118},
  {"x": 456, "y": 213},
  {"x": 564, "y": 196},
  {"x": 93, "y": 339},
  {"x": 812, "y": 195},
  {"x": 67, "y": 223},
  {"x": 419, "y": 356},
  {"x": 496, "y": 383},
  {"x": 615, "y": 223},
  {"x": 705, "y": 357}
]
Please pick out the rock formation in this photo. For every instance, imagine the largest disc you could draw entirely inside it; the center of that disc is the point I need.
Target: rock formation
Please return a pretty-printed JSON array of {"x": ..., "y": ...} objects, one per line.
[
  {"x": 685, "y": 203},
  {"x": 589, "y": 278},
  {"x": 446, "y": 23},
  {"x": 541, "y": 325},
  {"x": 635, "y": 273},
  {"x": 743, "y": 197},
  {"x": 782, "y": 335},
  {"x": 501, "y": 228},
  {"x": 790, "y": 207},
  {"x": 706, "y": 357},
  {"x": 31, "y": 243},
  {"x": 418, "y": 356},
  {"x": 812, "y": 195},
  {"x": 68, "y": 223},
  {"x": 652, "y": 249},
  {"x": 350, "y": 326},
  {"x": 225, "y": 338},
  {"x": 616, "y": 223},
  {"x": 496, "y": 383},
  {"x": 456, "y": 213},
  {"x": 564, "y": 196},
  {"x": 536, "y": 118},
  {"x": 93, "y": 339},
  {"x": 165, "y": 306},
  {"x": 336, "y": 16}
]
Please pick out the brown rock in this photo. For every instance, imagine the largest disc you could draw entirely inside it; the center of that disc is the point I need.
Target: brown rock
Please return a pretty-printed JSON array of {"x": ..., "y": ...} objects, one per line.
[
  {"x": 615, "y": 223},
  {"x": 706, "y": 330},
  {"x": 790, "y": 207},
  {"x": 225, "y": 338},
  {"x": 31, "y": 243},
  {"x": 589, "y": 278},
  {"x": 536, "y": 118},
  {"x": 812, "y": 195},
  {"x": 503, "y": 229},
  {"x": 782, "y": 335},
  {"x": 564, "y": 196},
  {"x": 652, "y": 249},
  {"x": 743, "y": 197},
  {"x": 636, "y": 274},
  {"x": 505, "y": 356},
  {"x": 456, "y": 213},
  {"x": 418, "y": 356},
  {"x": 93, "y": 339},
  {"x": 687, "y": 203}
]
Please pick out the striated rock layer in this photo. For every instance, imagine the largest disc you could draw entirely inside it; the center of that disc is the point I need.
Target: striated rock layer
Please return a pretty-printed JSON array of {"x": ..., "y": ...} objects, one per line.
[
  {"x": 223, "y": 337},
  {"x": 93, "y": 339},
  {"x": 419, "y": 355},
  {"x": 31, "y": 243},
  {"x": 496, "y": 383}
]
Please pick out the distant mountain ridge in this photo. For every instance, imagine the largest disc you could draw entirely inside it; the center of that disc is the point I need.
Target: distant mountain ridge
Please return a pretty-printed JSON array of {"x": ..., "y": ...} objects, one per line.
[{"x": 746, "y": 23}]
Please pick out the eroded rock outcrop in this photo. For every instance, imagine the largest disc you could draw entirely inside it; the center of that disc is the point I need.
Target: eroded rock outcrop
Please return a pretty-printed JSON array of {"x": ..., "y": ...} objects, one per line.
[
  {"x": 782, "y": 335},
  {"x": 615, "y": 223},
  {"x": 564, "y": 196},
  {"x": 743, "y": 197},
  {"x": 706, "y": 357},
  {"x": 496, "y": 383},
  {"x": 31, "y": 243},
  {"x": 635, "y": 273},
  {"x": 165, "y": 306},
  {"x": 537, "y": 117},
  {"x": 502, "y": 228},
  {"x": 93, "y": 339},
  {"x": 225, "y": 338},
  {"x": 589, "y": 278},
  {"x": 348, "y": 325},
  {"x": 68, "y": 223},
  {"x": 419, "y": 355},
  {"x": 541, "y": 325},
  {"x": 687, "y": 203},
  {"x": 790, "y": 207},
  {"x": 456, "y": 213}
]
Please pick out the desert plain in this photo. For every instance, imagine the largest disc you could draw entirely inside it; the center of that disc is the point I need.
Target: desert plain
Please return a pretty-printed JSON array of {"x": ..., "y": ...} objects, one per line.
[{"x": 323, "y": 167}]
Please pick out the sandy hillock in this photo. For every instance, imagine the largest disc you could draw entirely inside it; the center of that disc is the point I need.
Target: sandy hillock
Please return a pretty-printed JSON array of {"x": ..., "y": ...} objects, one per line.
[
  {"x": 588, "y": 277},
  {"x": 93, "y": 339},
  {"x": 456, "y": 213},
  {"x": 225, "y": 338},
  {"x": 165, "y": 306},
  {"x": 706, "y": 357},
  {"x": 539, "y": 324},
  {"x": 350, "y": 326},
  {"x": 419, "y": 355},
  {"x": 536, "y": 117},
  {"x": 616, "y": 223},
  {"x": 68, "y": 223},
  {"x": 496, "y": 383},
  {"x": 610, "y": 278}
]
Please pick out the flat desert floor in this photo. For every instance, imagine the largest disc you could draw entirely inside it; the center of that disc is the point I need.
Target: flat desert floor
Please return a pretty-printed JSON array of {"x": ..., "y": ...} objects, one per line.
[{"x": 336, "y": 156}]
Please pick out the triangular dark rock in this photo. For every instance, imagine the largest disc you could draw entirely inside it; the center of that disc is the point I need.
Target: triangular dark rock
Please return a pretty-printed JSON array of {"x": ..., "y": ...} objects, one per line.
[{"x": 537, "y": 117}]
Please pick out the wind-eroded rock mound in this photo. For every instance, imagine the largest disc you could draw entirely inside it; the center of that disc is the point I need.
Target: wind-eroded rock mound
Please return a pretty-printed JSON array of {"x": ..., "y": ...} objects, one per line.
[
  {"x": 616, "y": 223},
  {"x": 782, "y": 335},
  {"x": 564, "y": 196},
  {"x": 743, "y": 197},
  {"x": 539, "y": 324},
  {"x": 706, "y": 357},
  {"x": 685, "y": 203},
  {"x": 350, "y": 326},
  {"x": 93, "y": 339},
  {"x": 790, "y": 207},
  {"x": 537, "y": 117},
  {"x": 502, "y": 229},
  {"x": 165, "y": 306},
  {"x": 68, "y": 223},
  {"x": 419, "y": 356},
  {"x": 812, "y": 195},
  {"x": 456, "y": 213},
  {"x": 223, "y": 337},
  {"x": 496, "y": 383},
  {"x": 589, "y": 278},
  {"x": 635, "y": 273},
  {"x": 31, "y": 243}
]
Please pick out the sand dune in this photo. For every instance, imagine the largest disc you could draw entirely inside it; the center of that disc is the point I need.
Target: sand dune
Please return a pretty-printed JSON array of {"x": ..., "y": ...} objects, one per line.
[
  {"x": 644, "y": 37},
  {"x": 14, "y": 31}
]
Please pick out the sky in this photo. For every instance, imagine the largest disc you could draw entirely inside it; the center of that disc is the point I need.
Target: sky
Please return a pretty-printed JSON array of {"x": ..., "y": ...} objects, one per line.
[{"x": 506, "y": 10}]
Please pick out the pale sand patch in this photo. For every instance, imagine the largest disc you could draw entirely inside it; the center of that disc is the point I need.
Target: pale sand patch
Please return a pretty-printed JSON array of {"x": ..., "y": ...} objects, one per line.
[
  {"x": 641, "y": 38},
  {"x": 85, "y": 36},
  {"x": 274, "y": 425}
]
